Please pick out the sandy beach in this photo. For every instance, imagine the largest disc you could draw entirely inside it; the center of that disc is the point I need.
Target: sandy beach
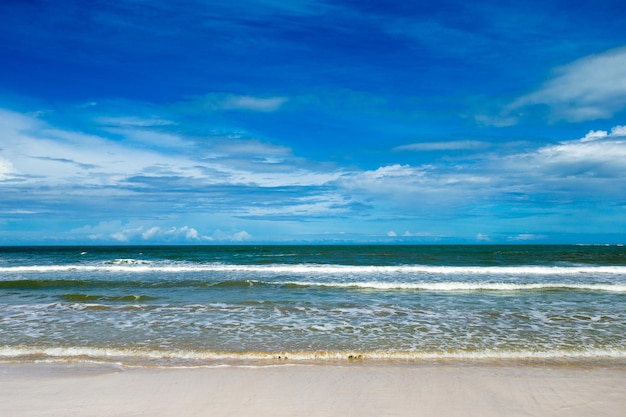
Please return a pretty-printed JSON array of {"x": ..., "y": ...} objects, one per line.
[{"x": 351, "y": 389}]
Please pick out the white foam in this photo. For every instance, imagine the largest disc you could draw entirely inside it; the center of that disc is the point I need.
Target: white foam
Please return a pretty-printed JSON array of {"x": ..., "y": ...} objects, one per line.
[
  {"x": 129, "y": 261},
  {"x": 126, "y": 265},
  {"x": 467, "y": 286},
  {"x": 200, "y": 357}
]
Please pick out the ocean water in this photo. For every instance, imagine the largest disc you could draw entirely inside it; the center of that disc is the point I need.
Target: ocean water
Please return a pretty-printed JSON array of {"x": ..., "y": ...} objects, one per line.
[{"x": 201, "y": 305}]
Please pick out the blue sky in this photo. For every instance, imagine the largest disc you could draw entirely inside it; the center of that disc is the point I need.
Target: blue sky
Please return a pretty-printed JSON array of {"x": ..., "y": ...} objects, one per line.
[{"x": 256, "y": 121}]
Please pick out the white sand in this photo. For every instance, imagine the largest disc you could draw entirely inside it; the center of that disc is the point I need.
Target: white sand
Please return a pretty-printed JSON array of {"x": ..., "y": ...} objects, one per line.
[{"x": 353, "y": 389}]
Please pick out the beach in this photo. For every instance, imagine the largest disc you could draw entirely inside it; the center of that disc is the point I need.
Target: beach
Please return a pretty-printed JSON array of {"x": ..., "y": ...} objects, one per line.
[
  {"x": 349, "y": 389},
  {"x": 313, "y": 331}
]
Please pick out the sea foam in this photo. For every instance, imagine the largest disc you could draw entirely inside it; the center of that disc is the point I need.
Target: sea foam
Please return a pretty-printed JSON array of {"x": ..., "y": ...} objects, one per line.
[{"x": 131, "y": 266}]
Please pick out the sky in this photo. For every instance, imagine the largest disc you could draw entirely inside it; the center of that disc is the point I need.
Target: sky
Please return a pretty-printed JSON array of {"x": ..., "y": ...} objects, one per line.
[{"x": 312, "y": 121}]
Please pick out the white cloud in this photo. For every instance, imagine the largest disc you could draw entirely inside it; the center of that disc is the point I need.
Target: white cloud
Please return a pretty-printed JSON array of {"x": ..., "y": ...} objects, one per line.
[
  {"x": 119, "y": 236},
  {"x": 616, "y": 132},
  {"x": 153, "y": 234},
  {"x": 408, "y": 233},
  {"x": 587, "y": 169},
  {"x": 16, "y": 122},
  {"x": 20, "y": 211},
  {"x": 443, "y": 146},
  {"x": 241, "y": 236},
  {"x": 387, "y": 172},
  {"x": 126, "y": 121},
  {"x": 150, "y": 233},
  {"x": 321, "y": 204},
  {"x": 86, "y": 105},
  {"x": 145, "y": 136},
  {"x": 230, "y": 102},
  {"x": 192, "y": 234},
  {"x": 599, "y": 153},
  {"x": 418, "y": 234},
  {"x": 418, "y": 188},
  {"x": 385, "y": 180},
  {"x": 127, "y": 234},
  {"x": 90, "y": 170},
  {"x": 42, "y": 154},
  {"x": 527, "y": 237},
  {"x": 481, "y": 237},
  {"x": 253, "y": 103},
  {"x": 231, "y": 237},
  {"x": 594, "y": 135},
  {"x": 182, "y": 233},
  {"x": 250, "y": 148},
  {"x": 590, "y": 88},
  {"x": 134, "y": 233},
  {"x": 6, "y": 168}
]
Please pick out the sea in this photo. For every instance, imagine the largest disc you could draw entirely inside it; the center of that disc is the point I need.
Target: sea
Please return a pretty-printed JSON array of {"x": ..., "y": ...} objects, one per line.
[{"x": 164, "y": 306}]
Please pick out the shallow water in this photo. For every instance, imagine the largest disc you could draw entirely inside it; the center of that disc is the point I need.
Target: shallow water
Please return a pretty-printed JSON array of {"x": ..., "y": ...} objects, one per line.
[{"x": 195, "y": 305}]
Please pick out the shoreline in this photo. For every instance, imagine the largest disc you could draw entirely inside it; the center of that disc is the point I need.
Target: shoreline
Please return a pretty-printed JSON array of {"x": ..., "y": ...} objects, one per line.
[
  {"x": 150, "y": 357},
  {"x": 350, "y": 388},
  {"x": 295, "y": 360}
]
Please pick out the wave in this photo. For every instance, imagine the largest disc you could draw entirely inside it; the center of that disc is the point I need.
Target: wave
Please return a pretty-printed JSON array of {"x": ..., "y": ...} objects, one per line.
[
  {"x": 129, "y": 261},
  {"x": 468, "y": 286},
  {"x": 426, "y": 286},
  {"x": 137, "y": 266},
  {"x": 155, "y": 357},
  {"x": 32, "y": 284},
  {"x": 86, "y": 298}
]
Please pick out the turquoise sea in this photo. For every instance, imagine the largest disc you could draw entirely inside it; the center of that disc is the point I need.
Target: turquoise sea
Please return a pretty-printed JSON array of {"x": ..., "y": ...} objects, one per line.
[{"x": 202, "y": 305}]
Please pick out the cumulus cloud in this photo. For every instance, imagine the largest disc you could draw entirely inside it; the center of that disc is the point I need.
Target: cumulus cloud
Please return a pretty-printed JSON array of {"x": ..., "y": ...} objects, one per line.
[
  {"x": 249, "y": 179},
  {"x": 597, "y": 154},
  {"x": 527, "y": 237},
  {"x": 408, "y": 233},
  {"x": 120, "y": 237},
  {"x": 150, "y": 233},
  {"x": 156, "y": 234},
  {"x": 240, "y": 236},
  {"x": 617, "y": 131},
  {"x": 594, "y": 135},
  {"x": 138, "y": 233},
  {"x": 590, "y": 88},
  {"x": 40, "y": 162},
  {"x": 192, "y": 234},
  {"x": 588, "y": 169},
  {"x": 481, "y": 237}
]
